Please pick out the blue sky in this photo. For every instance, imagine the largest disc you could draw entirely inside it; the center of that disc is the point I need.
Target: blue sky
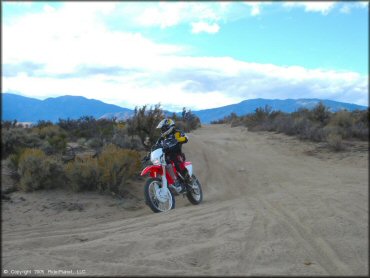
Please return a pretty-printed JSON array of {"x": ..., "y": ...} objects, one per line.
[{"x": 194, "y": 54}]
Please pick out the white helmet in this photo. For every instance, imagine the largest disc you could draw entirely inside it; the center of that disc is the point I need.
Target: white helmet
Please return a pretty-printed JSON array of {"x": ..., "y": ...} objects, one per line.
[{"x": 166, "y": 126}]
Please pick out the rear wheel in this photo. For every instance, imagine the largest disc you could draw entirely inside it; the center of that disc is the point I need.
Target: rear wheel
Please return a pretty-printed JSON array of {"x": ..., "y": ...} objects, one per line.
[
  {"x": 157, "y": 198},
  {"x": 195, "y": 194}
]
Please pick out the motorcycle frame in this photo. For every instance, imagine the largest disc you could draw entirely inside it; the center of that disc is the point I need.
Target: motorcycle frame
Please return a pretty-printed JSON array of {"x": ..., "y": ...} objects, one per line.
[{"x": 160, "y": 170}]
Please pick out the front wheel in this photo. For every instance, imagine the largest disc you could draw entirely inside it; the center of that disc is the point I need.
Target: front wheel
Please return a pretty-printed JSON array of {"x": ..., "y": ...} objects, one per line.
[
  {"x": 195, "y": 194},
  {"x": 157, "y": 198}
]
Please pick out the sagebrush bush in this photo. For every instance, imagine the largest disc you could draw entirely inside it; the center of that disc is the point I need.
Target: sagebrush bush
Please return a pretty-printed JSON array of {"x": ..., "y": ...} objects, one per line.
[
  {"x": 342, "y": 119},
  {"x": 320, "y": 113},
  {"x": 88, "y": 127},
  {"x": 12, "y": 162},
  {"x": 188, "y": 121},
  {"x": 117, "y": 166},
  {"x": 144, "y": 122},
  {"x": 360, "y": 131},
  {"x": 54, "y": 138},
  {"x": 317, "y": 134},
  {"x": 50, "y": 131},
  {"x": 14, "y": 139},
  {"x": 81, "y": 141},
  {"x": 301, "y": 127},
  {"x": 284, "y": 124},
  {"x": 38, "y": 171},
  {"x": 316, "y": 125},
  {"x": 123, "y": 140},
  {"x": 83, "y": 174},
  {"x": 95, "y": 143},
  {"x": 335, "y": 142}
]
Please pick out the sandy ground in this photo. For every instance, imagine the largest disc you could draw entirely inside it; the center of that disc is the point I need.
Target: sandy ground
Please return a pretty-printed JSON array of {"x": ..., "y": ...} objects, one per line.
[{"x": 272, "y": 206}]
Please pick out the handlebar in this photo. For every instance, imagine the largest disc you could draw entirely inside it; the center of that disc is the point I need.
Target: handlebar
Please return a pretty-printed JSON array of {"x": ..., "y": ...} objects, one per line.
[
  {"x": 157, "y": 144},
  {"x": 145, "y": 159},
  {"x": 160, "y": 143}
]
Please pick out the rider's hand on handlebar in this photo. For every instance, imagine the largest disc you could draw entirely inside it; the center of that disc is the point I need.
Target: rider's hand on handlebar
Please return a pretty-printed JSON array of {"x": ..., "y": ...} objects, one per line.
[{"x": 146, "y": 158}]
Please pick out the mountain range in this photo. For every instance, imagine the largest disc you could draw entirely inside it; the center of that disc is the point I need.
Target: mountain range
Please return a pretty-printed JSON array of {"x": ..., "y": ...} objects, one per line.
[
  {"x": 25, "y": 109},
  {"x": 286, "y": 105}
]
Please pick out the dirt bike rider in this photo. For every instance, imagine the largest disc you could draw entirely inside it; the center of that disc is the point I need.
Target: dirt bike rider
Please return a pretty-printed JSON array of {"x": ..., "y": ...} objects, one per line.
[{"x": 171, "y": 133}]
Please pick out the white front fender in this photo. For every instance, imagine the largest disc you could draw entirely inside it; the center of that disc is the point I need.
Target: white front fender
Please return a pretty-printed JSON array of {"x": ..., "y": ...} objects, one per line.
[{"x": 189, "y": 166}]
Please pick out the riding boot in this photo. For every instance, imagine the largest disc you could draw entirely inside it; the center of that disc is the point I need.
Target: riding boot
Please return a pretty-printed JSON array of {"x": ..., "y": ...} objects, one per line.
[{"x": 179, "y": 187}]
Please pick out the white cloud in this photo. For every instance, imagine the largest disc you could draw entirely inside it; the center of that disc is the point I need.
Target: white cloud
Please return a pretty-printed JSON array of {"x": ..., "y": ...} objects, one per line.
[
  {"x": 255, "y": 7},
  {"x": 255, "y": 10},
  {"x": 314, "y": 6},
  {"x": 199, "y": 83},
  {"x": 48, "y": 9},
  {"x": 348, "y": 6},
  {"x": 62, "y": 45},
  {"x": 167, "y": 14},
  {"x": 164, "y": 15},
  {"x": 345, "y": 9},
  {"x": 80, "y": 56},
  {"x": 199, "y": 27}
]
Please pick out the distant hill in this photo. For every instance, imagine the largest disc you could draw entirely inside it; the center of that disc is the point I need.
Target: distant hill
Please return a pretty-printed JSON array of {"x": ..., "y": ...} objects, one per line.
[
  {"x": 25, "y": 109},
  {"x": 286, "y": 105}
]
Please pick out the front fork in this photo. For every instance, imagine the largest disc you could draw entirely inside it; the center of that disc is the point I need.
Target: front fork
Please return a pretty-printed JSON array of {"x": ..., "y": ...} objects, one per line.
[
  {"x": 164, "y": 179},
  {"x": 164, "y": 189}
]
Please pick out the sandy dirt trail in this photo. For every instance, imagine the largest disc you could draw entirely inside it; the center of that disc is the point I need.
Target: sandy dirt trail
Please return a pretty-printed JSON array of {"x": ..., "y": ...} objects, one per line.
[{"x": 269, "y": 209}]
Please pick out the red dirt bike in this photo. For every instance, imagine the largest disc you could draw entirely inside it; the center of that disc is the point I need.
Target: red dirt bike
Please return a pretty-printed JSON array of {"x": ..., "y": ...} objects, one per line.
[{"x": 159, "y": 189}]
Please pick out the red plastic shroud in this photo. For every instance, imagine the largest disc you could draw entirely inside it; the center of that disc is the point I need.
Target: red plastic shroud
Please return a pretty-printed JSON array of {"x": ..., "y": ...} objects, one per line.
[{"x": 156, "y": 170}]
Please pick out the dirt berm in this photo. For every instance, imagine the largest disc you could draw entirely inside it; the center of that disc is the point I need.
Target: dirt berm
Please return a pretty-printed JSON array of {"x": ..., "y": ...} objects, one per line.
[{"x": 272, "y": 206}]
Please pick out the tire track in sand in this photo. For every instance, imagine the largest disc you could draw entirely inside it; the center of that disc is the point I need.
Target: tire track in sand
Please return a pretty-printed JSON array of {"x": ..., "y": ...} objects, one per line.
[{"x": 314, "y": 244}]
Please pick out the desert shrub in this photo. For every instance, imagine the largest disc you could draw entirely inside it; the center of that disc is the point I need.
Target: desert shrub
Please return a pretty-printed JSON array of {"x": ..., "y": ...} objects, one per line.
[
  {"x": 46, "y": 131},
  {"x": 38, "y": 171},
  {"x": 342, "y": 119},
  {"x": 95, "y": 143},
  {"x": 259, "y": 120},
  {"x": 54, "y": 139},
  {"x": 360, "y": 131},
  {"x": 83, "y": 174},
  {"x": 42, "y": 123},
  {"x": 8, "y": 124},
  {"x": 360, "y": 128},
  {"x": 58, "y": 144},
  {"x": 117, "y": 166},
  {"x": 15, "y": 139},
  {"x": 12, "y": 162},
  {"x": 189, "y": 120},
  {"x": 361, "y": 116},
  {"x": 316, "y": 125},
  {"x": 182, "y": 125},
  {"x": 88, "y": 127},
  {"x": 317, "y": 134},
  {"x": 144, "y": 122},
  {"x": 226, "y": 120},
  {"x": 301, "y": 113},
  {"x": 302, "y": 127},
  {"x": 320, "y": 113},
  {"x": 284, "y": 124},
  {"x": 262, "y": 114},
  {"x": 236, "y": 122},
  {"x": 335, "y": 142},
  {"x": 123, "y": 140},
  {"x": 345, "y": 133},
  {"x": 81, "y": 141}
]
